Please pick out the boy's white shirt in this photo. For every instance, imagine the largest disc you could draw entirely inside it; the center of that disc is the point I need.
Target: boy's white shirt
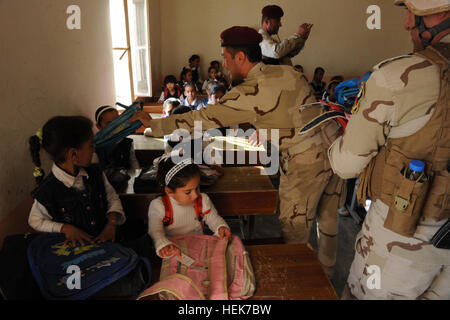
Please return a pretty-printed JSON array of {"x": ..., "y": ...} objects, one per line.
[
  {"x": 184, "y": 221},
  {"x": 40, "y": 220}
]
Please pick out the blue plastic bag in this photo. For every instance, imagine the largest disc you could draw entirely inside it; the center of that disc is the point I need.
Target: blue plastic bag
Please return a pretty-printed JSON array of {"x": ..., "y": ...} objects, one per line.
[
  {"x": 119, "y": 128},
  {"x": 347, "y": 91}
]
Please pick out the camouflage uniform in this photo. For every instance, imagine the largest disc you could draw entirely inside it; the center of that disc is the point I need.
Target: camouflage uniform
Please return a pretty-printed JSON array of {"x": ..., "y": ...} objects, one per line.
[
  {"x": 283, "y": 51},
  {"x": 400, "y": 99},
  {"x": 269, "y": 98}
]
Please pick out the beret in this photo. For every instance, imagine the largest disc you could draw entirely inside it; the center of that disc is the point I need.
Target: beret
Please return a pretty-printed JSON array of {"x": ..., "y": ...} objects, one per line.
[
  {"x": 273, "y": 11},
  {"x": 240, "y": 36}
]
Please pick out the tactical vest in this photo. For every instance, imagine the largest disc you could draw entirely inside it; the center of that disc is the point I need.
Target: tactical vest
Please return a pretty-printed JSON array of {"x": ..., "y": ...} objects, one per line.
[
  {"x": 85, "y": 210},
  {"x": 116, "y": 156},
  {"x": 383, "y": 178}
]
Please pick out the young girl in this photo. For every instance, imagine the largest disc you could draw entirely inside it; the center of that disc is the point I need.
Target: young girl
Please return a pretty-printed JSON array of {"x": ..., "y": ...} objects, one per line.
[
  {"x": 190, "y": 93},
  {"x": 180, "y": 183},
  {"x": 75, "y": 198},
  {"x": 120, "y": 155},
  {"x": 216, "y": 92},
  {"x": 171, "y": 89},
  {"x": 212, "y": 74},
  {"x": 185, "y": 78},
  {"x": 169, "y": 105},
  {"x": 194, "y": 65}
]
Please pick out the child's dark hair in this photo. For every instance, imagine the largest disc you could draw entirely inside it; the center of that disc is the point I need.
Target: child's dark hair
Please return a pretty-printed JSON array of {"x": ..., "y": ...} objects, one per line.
[
  {"x": 214, "y": 62},
  {"x": 184, "y": 72},
  {"x": 217, "y": 88},
  {"x": 181, "y": 109},
  {"x": 98, "y": 118},
  {"x": 169, "y": 79},
  {"x": 194, "y": 57},
  {"x": 180, "y": 179},
  {"x": 190, "y": 84},
  {"x": 58, "y": 135},
  {"x": 319, "y": 69},
  {"x": 212, "y": 67}
]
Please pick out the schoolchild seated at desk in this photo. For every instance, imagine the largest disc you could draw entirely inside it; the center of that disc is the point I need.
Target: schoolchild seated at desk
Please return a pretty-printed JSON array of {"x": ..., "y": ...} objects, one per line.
[
  {"x": 177, "y": 211},
  {"x": 190, "y": 94},
  {"x": 62, "y": 198},
  {"x": 169, "y": 105},
  {"x": 116, "y": 160}
]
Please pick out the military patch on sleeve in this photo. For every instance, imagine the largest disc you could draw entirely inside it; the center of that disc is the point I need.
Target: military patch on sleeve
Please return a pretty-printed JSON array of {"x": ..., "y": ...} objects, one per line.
[{"x": 361, "y": 93}]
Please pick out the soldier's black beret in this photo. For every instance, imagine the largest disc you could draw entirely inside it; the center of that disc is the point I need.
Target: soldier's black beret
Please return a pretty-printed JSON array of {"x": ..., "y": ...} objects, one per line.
[
  {"x": 273, "y": 11},
  {"x": 240, "y": 36}
]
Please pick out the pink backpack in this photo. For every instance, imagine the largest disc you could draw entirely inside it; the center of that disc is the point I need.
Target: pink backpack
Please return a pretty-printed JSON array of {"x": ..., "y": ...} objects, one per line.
[{"x": 221, "y": 271}]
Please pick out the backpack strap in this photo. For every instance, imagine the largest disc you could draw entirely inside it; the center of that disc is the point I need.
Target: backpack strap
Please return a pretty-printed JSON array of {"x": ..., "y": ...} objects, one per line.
[
  {"x": 168, "y": 217},
  {"x": 199, "y": 210},
  {"x": 179, "y": 285}
]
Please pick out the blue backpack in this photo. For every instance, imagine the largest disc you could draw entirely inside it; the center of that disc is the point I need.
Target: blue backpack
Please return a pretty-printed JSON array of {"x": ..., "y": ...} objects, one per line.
[
  {"x": 347, "y": 91},
  {"x": 75, "y": 273},
  {"x": 119, "y": 128}
]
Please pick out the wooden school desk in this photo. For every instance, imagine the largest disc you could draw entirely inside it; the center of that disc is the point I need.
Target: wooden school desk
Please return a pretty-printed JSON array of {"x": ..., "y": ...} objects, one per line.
[{"x": 241, "y": 191}]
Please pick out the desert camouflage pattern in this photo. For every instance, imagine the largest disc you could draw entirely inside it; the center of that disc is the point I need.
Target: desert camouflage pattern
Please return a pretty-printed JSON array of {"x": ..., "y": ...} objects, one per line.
[
  {"x": 425, "y": 7},
  {"x": 272, "y": 47},
  {"x": 269, "y": 98},
  {"x": 400, "y": 99},
  {"x": 410, "y": 267}
]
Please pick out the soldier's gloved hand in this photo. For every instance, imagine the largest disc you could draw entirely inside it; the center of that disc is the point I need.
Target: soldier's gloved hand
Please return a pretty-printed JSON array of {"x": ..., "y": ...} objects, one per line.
[
  {"x": 143, "y": 116},
  {"x": 304, "y": 30}
]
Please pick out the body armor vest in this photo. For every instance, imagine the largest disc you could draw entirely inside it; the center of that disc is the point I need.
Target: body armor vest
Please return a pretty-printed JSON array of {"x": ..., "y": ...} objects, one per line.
[{"x": 384, "y": 178}]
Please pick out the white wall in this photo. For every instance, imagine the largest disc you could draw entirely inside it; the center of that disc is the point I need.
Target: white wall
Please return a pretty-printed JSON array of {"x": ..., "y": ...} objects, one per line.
[
  {"x": 47, "y": 70},
  {"x": 339, "y": 41}
]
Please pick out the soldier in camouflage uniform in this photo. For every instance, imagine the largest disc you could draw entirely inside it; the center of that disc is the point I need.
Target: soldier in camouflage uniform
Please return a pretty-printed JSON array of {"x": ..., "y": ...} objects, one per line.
[
  {"x": 403, "y": 114},
  {"x": 274, "y": 50},
  {"x": 269, "y": 97}
]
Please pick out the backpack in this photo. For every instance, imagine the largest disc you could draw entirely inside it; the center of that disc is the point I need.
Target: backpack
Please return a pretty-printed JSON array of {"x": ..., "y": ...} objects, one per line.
[
  {"x": 119, "y": 128},
  {"x": 347, "y": 91},
  {"x": 218, "y": 270},
  {"x": 104, "y": 270}
]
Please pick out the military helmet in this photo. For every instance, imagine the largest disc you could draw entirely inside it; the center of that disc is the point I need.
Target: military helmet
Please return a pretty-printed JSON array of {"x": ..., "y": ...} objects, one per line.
[{"x": 425, "y": 7}]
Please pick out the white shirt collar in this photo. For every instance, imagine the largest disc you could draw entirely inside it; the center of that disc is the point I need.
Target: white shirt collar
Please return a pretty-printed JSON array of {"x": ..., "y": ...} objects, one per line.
[{"x": 66, "y": 178}]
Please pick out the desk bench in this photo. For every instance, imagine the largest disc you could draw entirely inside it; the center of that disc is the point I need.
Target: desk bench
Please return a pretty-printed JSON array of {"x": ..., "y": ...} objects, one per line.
[
  {"x": 241, "y": 191},
  {"x": 282, "y": 272}
]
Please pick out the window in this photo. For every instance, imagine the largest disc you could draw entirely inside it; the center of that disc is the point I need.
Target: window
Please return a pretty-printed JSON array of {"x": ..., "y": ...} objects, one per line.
[{"x": 131, "y": 54}]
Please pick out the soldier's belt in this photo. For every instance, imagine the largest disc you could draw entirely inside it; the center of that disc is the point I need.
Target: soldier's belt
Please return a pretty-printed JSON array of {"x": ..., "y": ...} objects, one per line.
[{"x": 317, "y": 121}]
